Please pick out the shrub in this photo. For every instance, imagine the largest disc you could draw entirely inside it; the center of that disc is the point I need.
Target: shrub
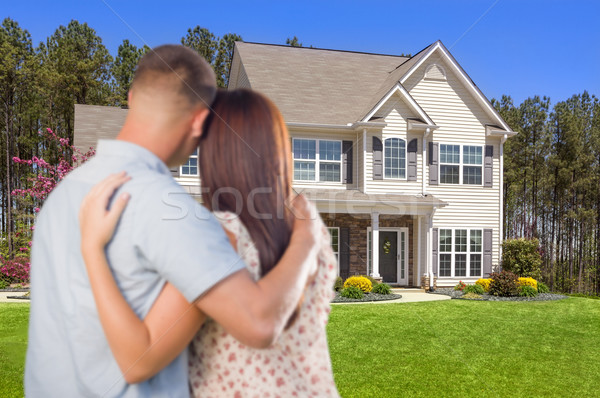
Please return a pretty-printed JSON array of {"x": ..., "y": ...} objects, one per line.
[
  {"x": 15, "y": 271},
  {"x": 504, "y": 284},
  {"x": 484, "y": 283},
  {"x": 460, "y": 286},
  {"x": 471, "y": 295},
  {"x": 359, "y": 282},
  {"x": 3, "y": 284},
  {"x": 527, "y": 291},
  {"x": 382, "y": 288},
  {"x": 339, "y": 284},
  {"x": 476, "y": 289},
  {"x": 521, "y": 256},
  {"x": 373, "y": 280},
  {"x": 528, "y": 282},
  {"x": 542, "y": 287},
  {"x": 352, "y": 292}
]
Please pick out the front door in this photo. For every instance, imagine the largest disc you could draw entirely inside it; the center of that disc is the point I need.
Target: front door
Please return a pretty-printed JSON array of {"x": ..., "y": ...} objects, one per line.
[{"x": 388, "y": 256}]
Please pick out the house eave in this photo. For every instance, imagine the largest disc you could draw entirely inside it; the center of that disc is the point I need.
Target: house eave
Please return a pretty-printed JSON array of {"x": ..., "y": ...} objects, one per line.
[
  {"x": 495, "y": 131},
  {"x": 419, "y": 125},
  {"x": 342, "y": 127}
]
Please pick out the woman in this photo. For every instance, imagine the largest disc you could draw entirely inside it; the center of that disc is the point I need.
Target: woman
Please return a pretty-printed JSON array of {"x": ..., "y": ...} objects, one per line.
[{"x": 245, "y": 166}]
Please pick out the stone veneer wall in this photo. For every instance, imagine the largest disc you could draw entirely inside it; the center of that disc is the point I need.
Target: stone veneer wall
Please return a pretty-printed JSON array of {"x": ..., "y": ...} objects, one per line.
[{"x": 358, "y": 224}]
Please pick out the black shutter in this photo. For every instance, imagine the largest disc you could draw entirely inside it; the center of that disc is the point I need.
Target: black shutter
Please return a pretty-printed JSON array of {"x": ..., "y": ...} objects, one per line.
[
  {"x": 174, "y": 171},
  {"x": 434, "y": 251},
  {"x": 412, "y": 159},
  {"x": 347, "y": 162},
  {"x": 377, "y": 159},
  {"x": 344, "y": 254},
  {"x": 488, "y": 166},
  {"x": 487, "y": 252},
  {"x": 434, "y": 148}
]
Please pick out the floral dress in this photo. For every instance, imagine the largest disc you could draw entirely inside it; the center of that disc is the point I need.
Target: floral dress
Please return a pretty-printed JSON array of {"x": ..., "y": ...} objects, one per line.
[{"x": 297, "y": 365}]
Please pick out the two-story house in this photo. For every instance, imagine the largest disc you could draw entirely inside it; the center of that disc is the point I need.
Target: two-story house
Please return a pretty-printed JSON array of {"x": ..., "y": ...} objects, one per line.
[{"x": 402, "y": 155}]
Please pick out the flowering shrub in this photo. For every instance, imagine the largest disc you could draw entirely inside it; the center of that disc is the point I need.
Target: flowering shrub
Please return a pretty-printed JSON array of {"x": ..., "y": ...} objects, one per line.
[
  {"x": 374, "y": 282},
  {"x": 484, "y": 283},
  {"x": 359, "y": 282},
  {"x": 352, "y": 292},
  {"x": 15, "y": 271},
  {"x": 528, "y": 282},
  {"x": 504, "y": 284},
  {"x": 460, "y": 286}
]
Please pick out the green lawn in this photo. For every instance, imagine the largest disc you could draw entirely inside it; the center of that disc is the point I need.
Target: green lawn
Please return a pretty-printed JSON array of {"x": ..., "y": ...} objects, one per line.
[
  {"x": 449, "y": 348},
  {"x": 460, "y": 348},
  {"x": 13, "y": 343}
]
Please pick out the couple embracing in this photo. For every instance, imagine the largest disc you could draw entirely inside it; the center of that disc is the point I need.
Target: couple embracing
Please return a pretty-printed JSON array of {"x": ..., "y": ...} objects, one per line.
[{"x": 133, "y": 296}]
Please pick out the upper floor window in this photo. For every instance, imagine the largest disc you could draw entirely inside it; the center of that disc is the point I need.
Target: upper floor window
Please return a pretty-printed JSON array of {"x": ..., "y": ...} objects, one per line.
[
  {"x": 453, "y": 171},
  {"x": 317, "y": 160},
  {"x": 460, "y": 252},
  {"x": 395, "y": 158},
  {"x": 190, "y": 168}
]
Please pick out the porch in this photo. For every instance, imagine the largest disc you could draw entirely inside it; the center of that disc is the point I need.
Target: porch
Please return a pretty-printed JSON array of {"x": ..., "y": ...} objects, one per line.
[{"x": 388, "y": 237}]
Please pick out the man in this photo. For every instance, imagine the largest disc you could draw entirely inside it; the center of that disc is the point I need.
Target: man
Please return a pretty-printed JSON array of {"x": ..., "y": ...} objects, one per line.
[{"x": 163, "y": 235}]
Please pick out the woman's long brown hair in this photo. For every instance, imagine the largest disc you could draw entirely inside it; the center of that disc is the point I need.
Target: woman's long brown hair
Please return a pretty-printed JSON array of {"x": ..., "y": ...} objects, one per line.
[{"x": 245, "y": 167}]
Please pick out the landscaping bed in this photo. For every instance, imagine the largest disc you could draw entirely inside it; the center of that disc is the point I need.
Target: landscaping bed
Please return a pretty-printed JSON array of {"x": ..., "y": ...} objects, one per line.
[
  {"x": 366, "y": 298},
  {"x": 457, "y": 294}
]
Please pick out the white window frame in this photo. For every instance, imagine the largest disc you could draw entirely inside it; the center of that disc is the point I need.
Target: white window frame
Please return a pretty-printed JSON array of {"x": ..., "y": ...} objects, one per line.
[
  {"x": 337, "y": 253},
  {"x": 461, "y": 164},
  {"x": 405, "y": 160},
  {"x": 453, "y": 253},
  {"x": 192, "y": 156},
  {"x": 317, "y": 160}
]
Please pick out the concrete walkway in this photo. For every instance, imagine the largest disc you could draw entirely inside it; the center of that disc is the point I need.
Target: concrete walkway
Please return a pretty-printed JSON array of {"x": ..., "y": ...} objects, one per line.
[
  {"x": 4, "y": 297},
  {"x": 408, "y": 296}
]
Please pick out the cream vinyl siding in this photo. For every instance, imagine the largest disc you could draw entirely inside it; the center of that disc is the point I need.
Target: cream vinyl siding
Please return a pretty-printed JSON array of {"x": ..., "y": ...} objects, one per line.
[
  {"x": 395, "y": 112},
  {"x": 334, "y": 136},
  {"x": 461, "y": 120}
]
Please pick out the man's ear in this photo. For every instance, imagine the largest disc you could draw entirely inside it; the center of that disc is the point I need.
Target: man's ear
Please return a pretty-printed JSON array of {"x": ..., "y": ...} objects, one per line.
[{"x": 198, "y": 122}]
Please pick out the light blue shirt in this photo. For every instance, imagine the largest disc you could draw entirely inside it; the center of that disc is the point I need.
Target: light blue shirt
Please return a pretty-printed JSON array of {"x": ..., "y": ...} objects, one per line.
[{"x": 163, "y": 235}]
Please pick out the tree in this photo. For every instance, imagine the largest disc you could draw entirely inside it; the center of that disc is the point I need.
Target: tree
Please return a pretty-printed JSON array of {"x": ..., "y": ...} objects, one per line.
[
  {"x": 222, "y": 64},
  {"x": 76, "y": 71},
  {"x": 218, "y": 52},
  {"x": 203, "y": 41},
  {"x": 123, "y": 69},
  {"x": 16, "y": 55},
  {"x": 294, "y": 42}
]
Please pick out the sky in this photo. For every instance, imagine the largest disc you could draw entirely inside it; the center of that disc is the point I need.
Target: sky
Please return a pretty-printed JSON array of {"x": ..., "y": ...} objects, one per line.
[{"x": 520, "y": 48}]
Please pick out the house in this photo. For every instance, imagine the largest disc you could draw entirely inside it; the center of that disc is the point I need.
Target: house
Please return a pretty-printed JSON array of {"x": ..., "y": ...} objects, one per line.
[{"x": 402, "y": 155}]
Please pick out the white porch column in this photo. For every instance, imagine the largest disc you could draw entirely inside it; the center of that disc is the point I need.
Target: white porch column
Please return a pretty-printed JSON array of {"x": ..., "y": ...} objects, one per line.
[
  {"x": 375, "y": 244},
  {"x": 429, "y": 249},
  {"x": 419, "y": 249}
]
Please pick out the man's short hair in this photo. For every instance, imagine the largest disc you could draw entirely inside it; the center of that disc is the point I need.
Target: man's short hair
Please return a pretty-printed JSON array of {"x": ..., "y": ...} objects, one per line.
[{"x": 193, "y": 77}]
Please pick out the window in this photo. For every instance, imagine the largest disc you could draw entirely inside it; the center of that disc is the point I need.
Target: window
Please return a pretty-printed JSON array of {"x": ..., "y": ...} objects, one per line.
[
  {"x": 472, "y": 164},
  {"x": 317, "y": 160},
  {"x": 460, "y": 252},
  {"x": 334, "y": 234},
  {"x": 451, "y": 167},
  {"x": 190, "y": 168},
  {"x": 395, "y": 158}
]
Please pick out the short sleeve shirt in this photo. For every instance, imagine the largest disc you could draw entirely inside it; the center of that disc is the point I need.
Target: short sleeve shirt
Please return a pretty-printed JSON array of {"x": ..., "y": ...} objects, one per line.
[{"x": 163, "y": 235}]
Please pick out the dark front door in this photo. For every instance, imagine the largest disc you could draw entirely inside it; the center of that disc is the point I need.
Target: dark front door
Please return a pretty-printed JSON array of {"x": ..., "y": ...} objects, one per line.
[{"x": 388, "y": 256}]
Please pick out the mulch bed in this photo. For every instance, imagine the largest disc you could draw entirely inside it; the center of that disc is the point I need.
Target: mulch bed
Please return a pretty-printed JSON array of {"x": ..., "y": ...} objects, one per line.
[
  {"x": 457, "y": 294},
  {"x": 368, "y": 297}
]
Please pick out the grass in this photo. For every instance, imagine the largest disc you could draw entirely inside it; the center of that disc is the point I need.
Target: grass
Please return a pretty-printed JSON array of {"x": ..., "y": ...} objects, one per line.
[
  {"x": 453, "y": 348},
  {"x": 459, "y": 348},
  {"x": 13, "y": 344}
]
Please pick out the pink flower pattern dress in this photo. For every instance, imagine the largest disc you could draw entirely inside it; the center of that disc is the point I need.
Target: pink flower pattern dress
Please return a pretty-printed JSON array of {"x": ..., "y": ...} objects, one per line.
[{"x": 297, "y": 365}]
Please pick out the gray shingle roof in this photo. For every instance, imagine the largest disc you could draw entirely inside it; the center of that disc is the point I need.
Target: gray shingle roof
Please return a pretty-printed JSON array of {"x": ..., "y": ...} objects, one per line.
[{"x": 317, "y": 86}]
